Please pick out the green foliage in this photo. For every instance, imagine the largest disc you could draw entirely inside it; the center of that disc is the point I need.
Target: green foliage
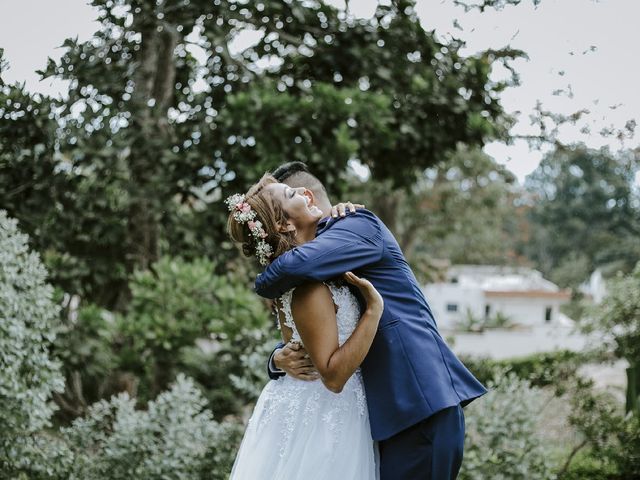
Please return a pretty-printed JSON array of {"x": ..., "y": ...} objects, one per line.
[
  {"x": 28, "y": 374},
  {"x": 502, "y": 441},
  {"x": 85, "y": 346},
  {"x": 175, "y": 438},
  {"x": 611, "y": 438},
  {"x": 577, "y": 308},
  {"x": 586, "y": 213},
  {"x": 173, "y": 306},
  {"x": 573, "y": 270},
  {"x": 618, "y": 317},
  {"x": 627, "y": 456},
  {"x": 133, "y": 163},
  {"x": 182, "y": 317},
  {"x": 222, "y": 452},
  {"x": 231, "y": 372},
  {"x": 540, "y": 369},
  {"x": 83, "y": 342},
  {"x": 463, "y": 210},
  {"x": 74, "y": 214},
  {"x": 471, "y": 322},
  {"x": 253, "y": 356},
  {"x": 477, "y": 324},
  {"x": 586, "y": 466}
]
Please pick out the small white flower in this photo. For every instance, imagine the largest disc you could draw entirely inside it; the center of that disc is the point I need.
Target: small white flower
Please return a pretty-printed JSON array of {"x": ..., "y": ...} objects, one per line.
[{"x": 234, "y": 200}]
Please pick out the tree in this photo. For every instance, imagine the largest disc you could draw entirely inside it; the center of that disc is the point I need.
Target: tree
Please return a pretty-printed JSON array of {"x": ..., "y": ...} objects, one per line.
[
  {"x": 75, "y": 214},
  {"x": 585, "y": 213},
  {"x": 618, "y": 318},
  {"x": 463, "y": 210},
  {"x": 138, "y": 156}
]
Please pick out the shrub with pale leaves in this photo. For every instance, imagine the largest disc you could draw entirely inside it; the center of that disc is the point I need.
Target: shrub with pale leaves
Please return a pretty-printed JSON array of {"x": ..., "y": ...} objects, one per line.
[
  {"x": 503, "y": 441},
  {"x": 175, "y": 437},
  {"x": 28, "y": 375}
]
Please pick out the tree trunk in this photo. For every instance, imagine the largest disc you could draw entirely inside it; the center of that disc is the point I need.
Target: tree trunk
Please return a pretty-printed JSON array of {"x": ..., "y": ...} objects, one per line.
[
  {"x": 153, "y": 94},
  {"x": 633, "y": 388}
]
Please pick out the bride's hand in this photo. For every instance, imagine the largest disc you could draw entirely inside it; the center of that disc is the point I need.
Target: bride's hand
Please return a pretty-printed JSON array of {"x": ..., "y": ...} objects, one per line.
[
  {"x": 340, "y": 209},
  {"x": 375, "y": 304}
]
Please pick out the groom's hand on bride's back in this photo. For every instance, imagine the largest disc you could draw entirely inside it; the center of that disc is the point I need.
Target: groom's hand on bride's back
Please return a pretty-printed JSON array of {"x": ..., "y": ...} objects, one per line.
[
  {"x": 294, "y": 360},
  {"x": 341, "y": 209}
]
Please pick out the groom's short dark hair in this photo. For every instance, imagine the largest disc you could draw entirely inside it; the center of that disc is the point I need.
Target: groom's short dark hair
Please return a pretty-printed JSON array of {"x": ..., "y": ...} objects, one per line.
[
  {"x": 284, "y": 171},
  {"x": 297, "y": 174}
]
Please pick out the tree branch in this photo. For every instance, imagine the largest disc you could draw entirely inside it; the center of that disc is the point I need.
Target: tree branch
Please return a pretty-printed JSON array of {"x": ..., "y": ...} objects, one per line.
[{"x": 573, "y": 453}]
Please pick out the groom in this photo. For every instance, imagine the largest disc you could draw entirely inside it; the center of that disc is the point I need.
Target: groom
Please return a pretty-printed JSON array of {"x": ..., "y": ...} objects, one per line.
[{"x": 415, "y": 385}]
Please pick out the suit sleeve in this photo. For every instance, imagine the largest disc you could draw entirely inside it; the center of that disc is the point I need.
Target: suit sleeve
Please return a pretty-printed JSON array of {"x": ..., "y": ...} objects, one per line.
[
  {"x": 350, "y": 244},
  {"x": 272, "y": 371}
]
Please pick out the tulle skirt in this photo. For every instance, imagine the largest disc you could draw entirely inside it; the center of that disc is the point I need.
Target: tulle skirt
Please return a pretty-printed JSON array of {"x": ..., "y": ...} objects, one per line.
[{"x": 302, "y": 431}]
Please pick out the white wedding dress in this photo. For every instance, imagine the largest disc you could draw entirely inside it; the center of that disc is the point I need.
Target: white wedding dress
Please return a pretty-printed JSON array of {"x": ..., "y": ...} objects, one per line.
[{"x": 300, "y": 430}]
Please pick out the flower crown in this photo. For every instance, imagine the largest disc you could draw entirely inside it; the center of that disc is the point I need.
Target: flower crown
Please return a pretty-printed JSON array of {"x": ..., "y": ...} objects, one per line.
[{"x": 243, "y": 213}]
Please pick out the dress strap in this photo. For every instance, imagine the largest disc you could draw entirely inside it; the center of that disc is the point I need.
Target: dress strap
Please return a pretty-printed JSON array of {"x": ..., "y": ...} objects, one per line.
[
  {"x": 286, "y": 299},
  {"x": 276, "y": 312}
]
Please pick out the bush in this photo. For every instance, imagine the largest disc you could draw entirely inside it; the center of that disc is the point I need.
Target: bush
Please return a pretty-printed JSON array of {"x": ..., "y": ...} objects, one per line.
[
  {"x": 175, "y": 438},
  {"x": 502, "y": 441},
  {"x": 28, "y": 375},
  {"x": 587, "y": 466},
  {"x": 617, "y": 323},
  {"x": 540, "y": 369},
  {"x": 85, "y": 346},
  {"x": 234, "y": 374},
  {"x": 171, "y": 307},
  {"x": 182, "y": 318},
  {"x": 219, "y": 459},
  {"x": 254, "y": 348},
  {"x": 627, "y": 455},
  {"x": 610, "y": 446},
  {"x": 178, "y": 301}
]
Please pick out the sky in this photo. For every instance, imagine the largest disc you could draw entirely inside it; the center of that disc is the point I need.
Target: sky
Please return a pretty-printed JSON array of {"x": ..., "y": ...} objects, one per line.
[{"x": 585, "y": 44}]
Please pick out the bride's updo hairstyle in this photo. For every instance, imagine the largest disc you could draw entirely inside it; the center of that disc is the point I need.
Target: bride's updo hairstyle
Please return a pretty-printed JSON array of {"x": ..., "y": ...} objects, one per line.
[{"x": 270, "y": 213}]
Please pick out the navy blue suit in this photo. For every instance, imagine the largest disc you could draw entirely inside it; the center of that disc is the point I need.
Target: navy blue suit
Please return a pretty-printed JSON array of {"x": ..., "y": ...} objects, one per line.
[{"x": 414, "y": 383}]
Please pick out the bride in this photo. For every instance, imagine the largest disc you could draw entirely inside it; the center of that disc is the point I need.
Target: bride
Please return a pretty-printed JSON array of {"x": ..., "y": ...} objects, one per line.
[{"x": 311, "y": 430}]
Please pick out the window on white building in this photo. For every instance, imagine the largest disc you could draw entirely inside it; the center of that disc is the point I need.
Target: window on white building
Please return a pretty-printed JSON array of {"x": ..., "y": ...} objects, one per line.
[
  {"x": 487, "y": 311},
  {"x": 452, "y": 307},
  {"x": 547, "y": 314}
]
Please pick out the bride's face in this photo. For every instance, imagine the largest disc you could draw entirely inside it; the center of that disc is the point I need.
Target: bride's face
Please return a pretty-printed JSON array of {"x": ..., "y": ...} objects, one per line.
[{"x": 298, "y": 204}]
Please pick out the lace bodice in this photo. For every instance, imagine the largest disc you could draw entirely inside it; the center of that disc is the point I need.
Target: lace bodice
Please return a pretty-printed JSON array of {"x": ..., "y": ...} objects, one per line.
[
  {"x": 294, "y": 406},
  {"x": 347, "y": 315}
]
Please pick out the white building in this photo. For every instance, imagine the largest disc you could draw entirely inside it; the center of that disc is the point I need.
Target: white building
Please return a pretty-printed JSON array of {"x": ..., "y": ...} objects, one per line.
[{"x": 482, "y": 291}]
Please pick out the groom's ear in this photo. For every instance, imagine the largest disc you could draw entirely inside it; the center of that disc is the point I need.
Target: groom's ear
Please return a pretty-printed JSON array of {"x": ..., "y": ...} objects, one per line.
[{"x": 309, "y": 194}]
